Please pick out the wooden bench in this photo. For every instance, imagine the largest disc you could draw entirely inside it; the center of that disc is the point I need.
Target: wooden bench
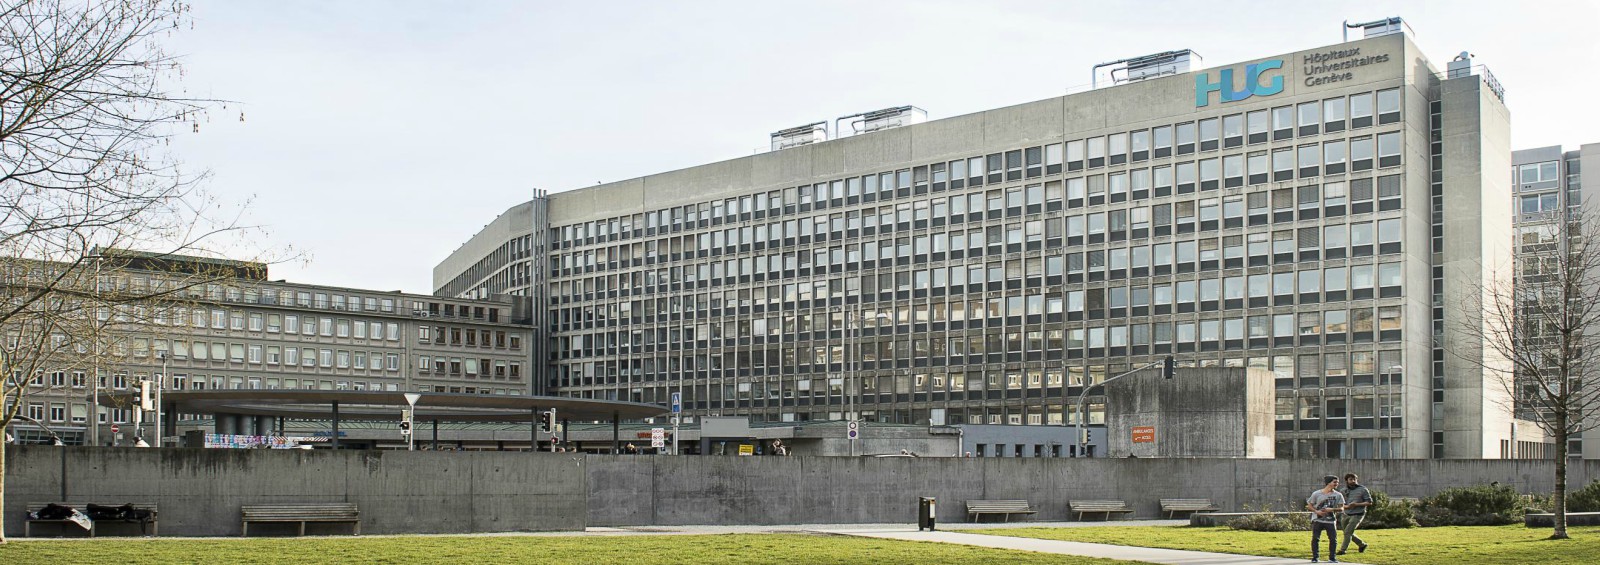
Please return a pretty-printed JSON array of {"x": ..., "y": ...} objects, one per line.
[
  {"x": 1107, "y": 507},
  {"x": 94, "y": 528},
  {"x": 977, "y": 508},
  {"x": 1174, "y": 505},
  {"x": 301, "y": 513}
]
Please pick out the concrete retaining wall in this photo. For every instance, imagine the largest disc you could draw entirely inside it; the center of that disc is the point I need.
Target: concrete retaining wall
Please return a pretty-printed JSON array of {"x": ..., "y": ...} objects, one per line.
[
  {"x": 199, "y": 491},
  {"x": 637, "y": 491}
]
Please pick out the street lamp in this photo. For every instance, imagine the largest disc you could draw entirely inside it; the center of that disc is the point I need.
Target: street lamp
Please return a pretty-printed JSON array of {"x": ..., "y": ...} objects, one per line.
[
  {"x": 1168, "y": 368},
  {"x": 161, "y": 384},
  {"x": 853, "y": 384},
  {"x": 54, "y": 439}
]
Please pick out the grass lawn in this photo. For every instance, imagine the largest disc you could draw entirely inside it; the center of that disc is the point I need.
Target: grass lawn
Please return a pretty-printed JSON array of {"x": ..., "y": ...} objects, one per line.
[
  {"x": 1484, "y": 544},
  {"x": 606, "y": 550}
]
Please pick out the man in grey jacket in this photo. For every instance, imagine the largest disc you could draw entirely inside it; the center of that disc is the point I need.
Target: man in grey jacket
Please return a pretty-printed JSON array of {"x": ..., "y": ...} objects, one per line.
[
  {"x": 1325, "y": 504},
  {"x": 1356, "y": 501}
]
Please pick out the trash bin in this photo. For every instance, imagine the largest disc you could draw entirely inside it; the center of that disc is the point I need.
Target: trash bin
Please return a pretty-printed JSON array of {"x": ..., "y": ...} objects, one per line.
[{"x": 926, "y": 508}]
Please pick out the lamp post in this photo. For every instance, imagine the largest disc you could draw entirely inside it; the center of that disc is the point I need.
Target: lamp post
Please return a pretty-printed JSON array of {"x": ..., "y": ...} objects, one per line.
[
  {"x": 853, "y": 383},
  {"x": 94, "y": 382},
  {"x": 161, "y": 384},
  {"x": 1169, "y": 367}
]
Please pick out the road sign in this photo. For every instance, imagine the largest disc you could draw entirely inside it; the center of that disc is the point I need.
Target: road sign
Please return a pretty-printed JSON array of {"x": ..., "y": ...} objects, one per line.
[
  {"x": 658, "y": 437},
  {"x": 1144, "y": 434},
  {"x": 677, "y": 402},
  {"x": 853, "y": 430},
  {"x": 115, "y": 429}
]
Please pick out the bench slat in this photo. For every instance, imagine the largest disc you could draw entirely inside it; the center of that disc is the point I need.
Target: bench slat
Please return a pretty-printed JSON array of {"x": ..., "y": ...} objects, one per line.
[
  {"x": 1106, "y": 507},
  {"x": 977, "y": 508},
  {"x": 300, "y": 513}
]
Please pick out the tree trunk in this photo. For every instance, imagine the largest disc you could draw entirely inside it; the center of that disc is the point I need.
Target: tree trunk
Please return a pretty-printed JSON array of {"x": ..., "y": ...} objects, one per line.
[
  {"x": 3, "y": 447},
  {"x": 1560, "y": 512}
]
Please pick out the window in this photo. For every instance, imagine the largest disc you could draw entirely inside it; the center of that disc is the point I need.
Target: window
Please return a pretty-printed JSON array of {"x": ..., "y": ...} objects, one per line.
[
  {"x": 1257, "y": 126},
  {"x": 1539, "y": 172},
  {"x": 1333, "y": 112},
  {"x": 1310, "y": 118},
  {"x": 1389, "y": 149},
  {"x": 1233, "y": 130},
  {"x": 1334, "y": 154},
  {"x": 1360, "y": 110},
  {"x": 1361, "y": 151},
  {"x": 1389, "y": 106}
]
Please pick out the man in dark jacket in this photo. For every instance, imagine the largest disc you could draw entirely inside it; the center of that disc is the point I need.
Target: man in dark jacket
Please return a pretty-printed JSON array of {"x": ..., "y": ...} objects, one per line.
[{"x": 1356, "y": 500}]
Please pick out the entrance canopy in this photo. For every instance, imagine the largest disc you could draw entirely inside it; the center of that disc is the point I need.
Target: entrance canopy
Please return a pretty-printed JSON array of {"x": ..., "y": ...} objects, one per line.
[{"x": 386, "y": 405}]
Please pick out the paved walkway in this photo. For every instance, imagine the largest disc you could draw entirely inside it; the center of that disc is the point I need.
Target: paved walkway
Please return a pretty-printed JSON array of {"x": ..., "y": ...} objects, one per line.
[{"x": 1126, "y": 553}]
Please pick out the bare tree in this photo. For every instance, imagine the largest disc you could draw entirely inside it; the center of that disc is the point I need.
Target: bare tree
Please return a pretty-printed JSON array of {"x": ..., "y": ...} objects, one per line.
[
  {"x": 1544, "y": 322},
  {"x": 85, "y": 114}
]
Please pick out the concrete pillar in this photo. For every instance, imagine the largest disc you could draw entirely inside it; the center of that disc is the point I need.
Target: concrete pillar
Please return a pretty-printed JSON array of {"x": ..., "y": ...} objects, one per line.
[
  {"x": 335, "y": 438},
  {"x": 224, "y": 424}
]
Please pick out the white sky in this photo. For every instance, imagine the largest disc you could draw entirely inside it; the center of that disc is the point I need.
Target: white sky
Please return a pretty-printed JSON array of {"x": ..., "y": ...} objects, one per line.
[{"x": 379, "y": 136}]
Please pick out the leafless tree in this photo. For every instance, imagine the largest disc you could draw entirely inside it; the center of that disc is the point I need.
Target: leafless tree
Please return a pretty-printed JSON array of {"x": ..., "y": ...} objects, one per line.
[
  {"x": 85, "y": 114},
  {"x": 1544, "y": 322}
]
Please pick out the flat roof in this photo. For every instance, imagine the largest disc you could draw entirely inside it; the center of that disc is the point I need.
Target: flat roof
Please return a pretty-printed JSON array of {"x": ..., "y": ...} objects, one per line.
[{"x": 386, "y": 405}]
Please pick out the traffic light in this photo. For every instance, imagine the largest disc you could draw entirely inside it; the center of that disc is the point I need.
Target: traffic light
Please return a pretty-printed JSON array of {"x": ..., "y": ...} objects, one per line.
[
  {"x": 1168, "y": 367},
  {"x": 405, "y": 422},
  {"x": 547, "y": 420}
]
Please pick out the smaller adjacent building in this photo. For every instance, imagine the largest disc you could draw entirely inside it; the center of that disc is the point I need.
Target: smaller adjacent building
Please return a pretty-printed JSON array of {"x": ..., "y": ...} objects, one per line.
[
  {"x": 245, "y": 331},
  {"x": 1547, "y": 184}
]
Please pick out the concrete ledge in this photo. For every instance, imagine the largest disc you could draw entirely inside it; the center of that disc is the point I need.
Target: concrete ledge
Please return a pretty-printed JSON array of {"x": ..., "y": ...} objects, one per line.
[
  {"x": 1573, "y": 519},
  {"x": 1211, "y": 519}
]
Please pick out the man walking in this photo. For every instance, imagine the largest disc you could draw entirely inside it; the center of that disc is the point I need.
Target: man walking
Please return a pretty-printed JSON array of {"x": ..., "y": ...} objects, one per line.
[
  {"x": 1325, "y": 504},
  {"x": 1356, "y": 501}
]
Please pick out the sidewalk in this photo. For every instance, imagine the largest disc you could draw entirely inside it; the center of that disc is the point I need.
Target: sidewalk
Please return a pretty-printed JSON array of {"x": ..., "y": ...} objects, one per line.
[{"x": 1126, "y": 553}]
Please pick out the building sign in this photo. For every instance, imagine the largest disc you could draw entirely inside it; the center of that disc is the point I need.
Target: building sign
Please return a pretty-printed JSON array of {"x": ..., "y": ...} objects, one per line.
[
  {"x": 1335, "y": 65},
  {"x": 1253, "y": 75},
  {"x": 1144, "y": 434}
]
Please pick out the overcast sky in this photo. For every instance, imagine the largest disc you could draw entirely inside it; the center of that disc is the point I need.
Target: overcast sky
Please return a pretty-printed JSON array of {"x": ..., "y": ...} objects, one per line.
[{"x": 379, "y": 136}]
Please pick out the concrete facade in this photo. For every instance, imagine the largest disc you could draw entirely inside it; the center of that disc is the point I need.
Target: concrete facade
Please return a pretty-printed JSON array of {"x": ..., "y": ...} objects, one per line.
[
  {"x": 981, "y": 269},
  {"x": 1198, "y": 413}
]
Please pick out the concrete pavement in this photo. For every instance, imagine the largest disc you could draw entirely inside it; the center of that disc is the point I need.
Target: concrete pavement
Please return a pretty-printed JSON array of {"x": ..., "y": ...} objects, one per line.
[{"x": 1121, "y": 552}]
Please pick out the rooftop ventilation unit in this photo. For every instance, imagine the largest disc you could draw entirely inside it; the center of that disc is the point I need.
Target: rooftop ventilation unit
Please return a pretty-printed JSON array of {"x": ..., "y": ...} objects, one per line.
[
  {"x": 1375, "y": 28},
  {"x": 1146, "y": 67},
  {"x": 802, "y": 135},
  {"x": 890, "y": 118}
]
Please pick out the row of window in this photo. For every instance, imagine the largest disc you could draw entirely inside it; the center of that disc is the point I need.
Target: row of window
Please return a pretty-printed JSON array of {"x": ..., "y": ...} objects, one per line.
[
  {"x": 1015, "y": 201},
  {"x": 471, "y": 367},
  {"x": 1309, "y": 243},
  {"x": 1237, "y": 130},
  {"x": 1317, "y": 327}
]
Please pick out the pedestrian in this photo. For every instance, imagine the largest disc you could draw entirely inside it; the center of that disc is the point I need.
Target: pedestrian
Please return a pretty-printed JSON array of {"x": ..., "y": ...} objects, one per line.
[
  {"x": 1356, "y": 501},
  {"x": 1325, "y": 504},
  {"x": 779, "y": 449}
]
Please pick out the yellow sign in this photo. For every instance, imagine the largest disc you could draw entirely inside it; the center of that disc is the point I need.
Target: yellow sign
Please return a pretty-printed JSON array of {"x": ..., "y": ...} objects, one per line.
[{"x": 747, "y": 449}]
